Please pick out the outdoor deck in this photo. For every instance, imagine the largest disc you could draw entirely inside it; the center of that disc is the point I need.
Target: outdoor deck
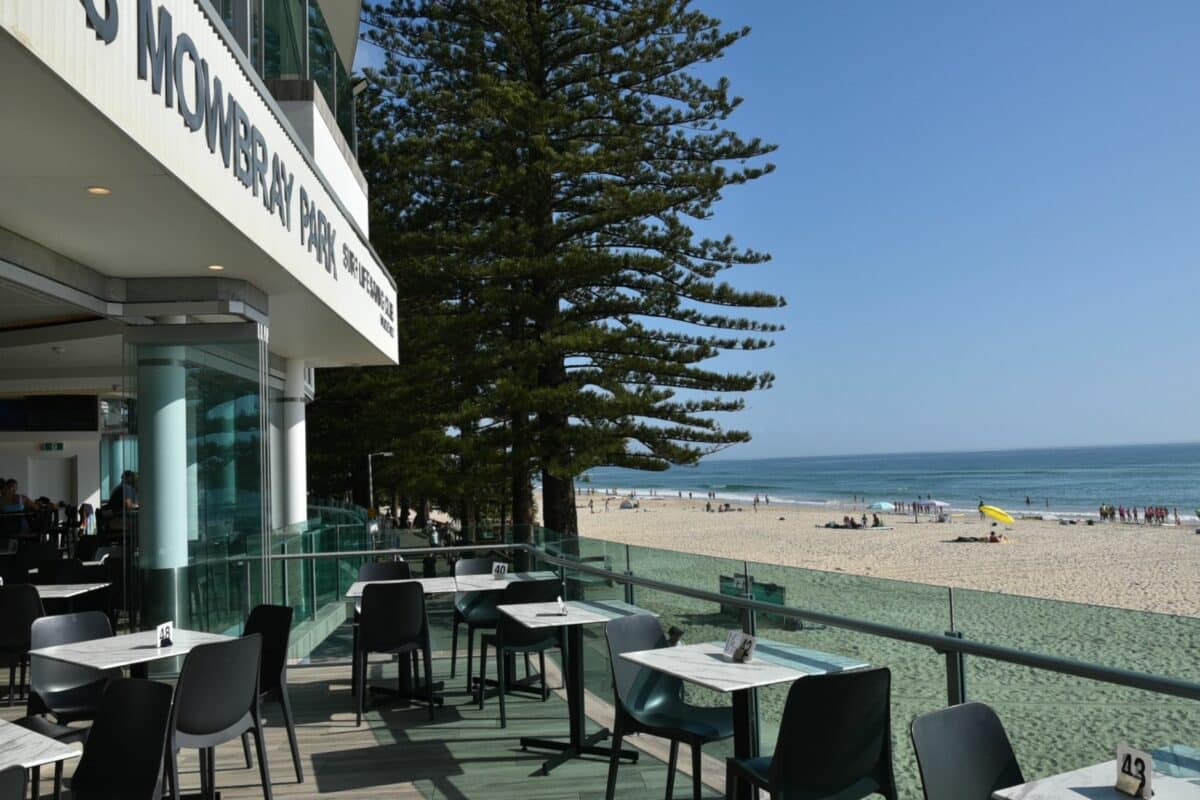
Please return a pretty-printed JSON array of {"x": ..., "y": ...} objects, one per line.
[{"x": 398, "y": 753}]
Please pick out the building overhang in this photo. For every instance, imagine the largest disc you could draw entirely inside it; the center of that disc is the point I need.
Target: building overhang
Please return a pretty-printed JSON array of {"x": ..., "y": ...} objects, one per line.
[{"x": 83, "y": 115}]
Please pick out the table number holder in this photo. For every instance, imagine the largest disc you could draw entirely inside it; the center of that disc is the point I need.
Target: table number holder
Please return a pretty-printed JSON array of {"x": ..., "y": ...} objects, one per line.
[
  {"x": 164, "y": 633},
  {"x": 1134, "y": 768},
  {"x": 499, "y": 570},
  {"x": 739, "y": 647}
]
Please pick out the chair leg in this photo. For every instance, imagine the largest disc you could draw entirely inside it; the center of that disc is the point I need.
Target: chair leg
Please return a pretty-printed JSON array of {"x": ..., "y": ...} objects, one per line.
[
  {"x": 542, "y": 667},
  {"x": 173, "y": 770},
  {"x": 261, "y": 750},
  {"x": 21, "y": 686},
  {"x": 354, "y": 658},
  {"x": 35, "y": 783},
  {"x": 12, "y": 677},
  {"x": 470, "y": 653},
  {"x": 58, "y": 776},
  {"x": 482, "y": 670},
  {"x": 454, "y": 648},
  {"x": 671, "y": 768},
  {"x": 286, "y": 704},
  {"x": 614, "y": 760},
  {"x": 212, "y": 772},
  {"x": 501, "y": 683},
  {"x": 696, "y": 782},
  {"x": 730, "y": 779},
  {"x": 246, "y": 749},
  {"x": 360, "y": 690},
  {"x": 428, "y": 676},
  {"x": 205, "y": 786},
  {"x": 528, "y": 666}
]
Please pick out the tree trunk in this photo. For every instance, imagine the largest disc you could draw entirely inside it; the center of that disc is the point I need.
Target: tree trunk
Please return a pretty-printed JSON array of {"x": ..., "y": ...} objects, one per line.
[{"x": 558, "y": 505}]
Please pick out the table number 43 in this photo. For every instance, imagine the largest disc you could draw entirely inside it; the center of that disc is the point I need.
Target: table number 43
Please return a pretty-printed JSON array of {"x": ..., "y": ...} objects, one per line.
[{"x": 1134, "y": 769}]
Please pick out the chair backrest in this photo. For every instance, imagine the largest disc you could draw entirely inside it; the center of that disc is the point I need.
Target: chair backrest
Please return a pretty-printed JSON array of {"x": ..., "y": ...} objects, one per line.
[
  {"x": 835, "y": 730},
  {"x": 61, "y": 570},
  {"x": 638, "y": 688},
  {"x": 393, "y": 615},
  {"x": 218, "y": 685},
  {"x": 473, "y": 566},
  {"x": 514, "y": 633},
  {"x": 47, "y": 675},
  {"x": 30, "y": 554},
  {"x": 123, "y": 756},
  {"x": 274, "y": 624},
  {"x": 963, "y": 753},
  {"x": 384, "y": 571},
  {"x": 12, "y": 783},
  {"x": 20, "y": 605},
  {"x": 85, "y": 548}
]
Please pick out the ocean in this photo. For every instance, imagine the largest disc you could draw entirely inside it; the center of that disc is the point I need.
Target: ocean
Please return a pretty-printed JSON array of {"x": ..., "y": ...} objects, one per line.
[{"x": 1074, "y": 480}]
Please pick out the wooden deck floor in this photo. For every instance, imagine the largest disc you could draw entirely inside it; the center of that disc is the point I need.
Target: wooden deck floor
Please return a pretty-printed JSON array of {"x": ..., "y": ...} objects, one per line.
[{"x": 398, "y": 753}]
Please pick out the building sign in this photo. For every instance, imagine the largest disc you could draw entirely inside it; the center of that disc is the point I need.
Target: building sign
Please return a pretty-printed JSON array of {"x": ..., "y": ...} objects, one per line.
[{"x": 174, "y": 68}]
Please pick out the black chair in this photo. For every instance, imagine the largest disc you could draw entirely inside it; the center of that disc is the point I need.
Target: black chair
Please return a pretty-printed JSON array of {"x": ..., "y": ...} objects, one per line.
[
  {"x": 393, "y": 621},
  {"x": 374, "y": 571},
  {"x": 963, "y": 753},
  {"x": 124, "y": 755},
  {"x": 61, "y": 570},
  {"x": 648, "y": 701},
  {"x": 835, "y": 741},
  {"x": 12, "y": 783},
  {"x": 85, "y": 548},
  {"x": 476, "y": 610},
  {"x": 115, "y": 600},
  {"x": 216, "y": 701},
  {"x": 512, "y": 637},
  {"x": 274, "y": 624},
  {"x": 20, "y": 605},
  {"x": 69, "y": 692}
]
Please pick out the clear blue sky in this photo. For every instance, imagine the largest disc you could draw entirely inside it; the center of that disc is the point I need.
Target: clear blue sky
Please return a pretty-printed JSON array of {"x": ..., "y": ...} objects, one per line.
[{"x": 985, "y": 218}]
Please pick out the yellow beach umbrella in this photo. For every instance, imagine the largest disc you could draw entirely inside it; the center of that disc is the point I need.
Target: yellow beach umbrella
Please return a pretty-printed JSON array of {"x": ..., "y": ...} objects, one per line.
[{"x": 998, "y": 514}]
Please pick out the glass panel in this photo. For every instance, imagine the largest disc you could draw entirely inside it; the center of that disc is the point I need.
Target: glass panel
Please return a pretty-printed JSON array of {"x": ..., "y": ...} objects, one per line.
[
  {"x": 322, "y": 57},
  {"x": 1058, "y": 722},
  {"x": 345, "y": 104},
  {"x": 284, "y": 39},
  {"x": 195, "y": 515}
]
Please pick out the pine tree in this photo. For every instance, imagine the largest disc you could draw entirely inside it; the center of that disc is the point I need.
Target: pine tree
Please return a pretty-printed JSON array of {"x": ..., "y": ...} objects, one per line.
[{"x": 552, "y": 161}]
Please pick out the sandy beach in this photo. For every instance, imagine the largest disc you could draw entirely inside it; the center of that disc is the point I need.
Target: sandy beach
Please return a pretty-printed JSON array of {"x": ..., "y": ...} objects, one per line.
[{"x": 1147, "y": 568}]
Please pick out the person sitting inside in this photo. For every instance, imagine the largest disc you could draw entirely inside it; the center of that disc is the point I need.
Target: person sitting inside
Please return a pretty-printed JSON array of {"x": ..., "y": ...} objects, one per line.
[{"x": 124, "y": 495}]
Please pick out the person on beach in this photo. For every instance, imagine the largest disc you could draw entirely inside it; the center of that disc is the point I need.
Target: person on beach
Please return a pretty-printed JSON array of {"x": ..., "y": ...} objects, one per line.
[
  {"x": 1176, "y": 516},
  {"x": 591, "y": 506}
]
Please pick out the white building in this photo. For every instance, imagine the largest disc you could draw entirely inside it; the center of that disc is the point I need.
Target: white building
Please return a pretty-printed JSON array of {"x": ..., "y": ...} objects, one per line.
[{"x": 183, "y": 239}]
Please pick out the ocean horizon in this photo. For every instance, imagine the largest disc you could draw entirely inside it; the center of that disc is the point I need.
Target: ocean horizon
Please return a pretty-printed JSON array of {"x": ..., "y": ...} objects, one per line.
[{"x": 1075, "y": 480}]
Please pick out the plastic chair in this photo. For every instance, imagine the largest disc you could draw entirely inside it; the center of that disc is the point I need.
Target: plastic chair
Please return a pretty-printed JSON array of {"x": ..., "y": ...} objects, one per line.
[
  {"x": 513, "y": 637},
  {"x": 648, "y": 701},
  {"x": 963, "y": 753},
  {"x": 20, "y": 605},
  {"x": 216, "y": 701},
  {"x": 274, "y": 624},
  {"x": 60, "y": 570},
  {"x": 835, "y": 741},
  {"x": 12, "y": 783},
  {"x": 374, "y": 571},
  {"x": 124, "y": 755},
  {"x": 476, "y": 610},
  {"x": 68, "y": 691},
  {"x": 393, "y": 621}
]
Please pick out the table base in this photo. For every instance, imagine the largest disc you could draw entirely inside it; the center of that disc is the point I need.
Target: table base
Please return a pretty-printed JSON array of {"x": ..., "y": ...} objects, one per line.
[{"x": 568, "y": 750}]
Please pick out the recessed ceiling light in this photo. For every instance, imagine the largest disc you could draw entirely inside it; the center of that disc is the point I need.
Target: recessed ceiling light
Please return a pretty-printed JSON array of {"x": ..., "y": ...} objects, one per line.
[
  {"x": 216, "y": 267},
  {"x": 99, "y": 191}
]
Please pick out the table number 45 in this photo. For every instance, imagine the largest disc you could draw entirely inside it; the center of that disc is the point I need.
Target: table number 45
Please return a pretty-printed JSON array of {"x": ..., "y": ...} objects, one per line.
[{"x": 1134, "y": 769}]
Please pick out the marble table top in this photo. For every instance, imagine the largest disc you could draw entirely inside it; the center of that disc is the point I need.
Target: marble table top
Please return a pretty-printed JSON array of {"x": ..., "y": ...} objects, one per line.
[
  {"x": 1096, "y": 783},
  {"x": 34, "y": 570},
  {"x": 774, "y": 662},
  {"x": 579, "y": 612},
  {"x": 23, "y": 748},
  {"x": 130, "y": 648},
  {"x": 486, "y": 583},
  {"x": 428, "y": 585},
  {"x": 63, "y": 591}
]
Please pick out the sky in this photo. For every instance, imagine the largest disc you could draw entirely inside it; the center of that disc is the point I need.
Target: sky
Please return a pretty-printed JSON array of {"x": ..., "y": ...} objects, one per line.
[{"x": 984, "y": 218}]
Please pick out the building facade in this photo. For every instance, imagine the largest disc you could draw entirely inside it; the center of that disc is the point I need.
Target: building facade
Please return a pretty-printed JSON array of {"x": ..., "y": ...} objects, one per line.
[{"x": 183, "y": 241}]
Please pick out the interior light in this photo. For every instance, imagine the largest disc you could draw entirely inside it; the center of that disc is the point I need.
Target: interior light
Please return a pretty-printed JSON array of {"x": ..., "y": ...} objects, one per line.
[
  {"x": 216, "y": 267},
  {"x": 99, "y": 191}
]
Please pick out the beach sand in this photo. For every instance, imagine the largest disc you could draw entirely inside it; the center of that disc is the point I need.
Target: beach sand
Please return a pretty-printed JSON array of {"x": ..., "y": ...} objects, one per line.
[{"x": 1142, "y": 567}]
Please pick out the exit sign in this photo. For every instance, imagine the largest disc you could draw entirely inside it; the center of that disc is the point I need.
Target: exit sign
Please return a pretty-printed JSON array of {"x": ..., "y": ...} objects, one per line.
[{"x": 47, "y": 446}]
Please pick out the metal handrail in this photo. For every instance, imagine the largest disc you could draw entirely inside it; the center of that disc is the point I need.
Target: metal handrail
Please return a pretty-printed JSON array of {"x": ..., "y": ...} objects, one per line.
[{"x": 941, "y": 643}]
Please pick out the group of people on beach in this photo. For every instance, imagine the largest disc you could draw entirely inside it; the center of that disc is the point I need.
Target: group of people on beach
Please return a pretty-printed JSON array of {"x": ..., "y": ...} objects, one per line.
[{"x": 1150, "y": 515}]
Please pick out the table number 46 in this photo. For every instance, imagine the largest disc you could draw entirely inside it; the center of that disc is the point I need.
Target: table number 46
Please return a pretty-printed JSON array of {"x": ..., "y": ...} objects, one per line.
[{"x": 1134, "y": 769}]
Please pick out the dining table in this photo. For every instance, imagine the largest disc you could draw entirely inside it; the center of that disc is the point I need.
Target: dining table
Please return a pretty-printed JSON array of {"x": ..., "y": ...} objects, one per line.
[
  {"x": 21, "y": 747},
  {"x": 574, "y": 615},
  {"x": 133, "y": 650},
  {"x": 705, "y": 664},
  {"x": 1176, "y": 776}
]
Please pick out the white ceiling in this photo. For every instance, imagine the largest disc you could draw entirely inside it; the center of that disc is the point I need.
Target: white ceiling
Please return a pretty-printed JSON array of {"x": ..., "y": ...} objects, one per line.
[
  {"x": 20, "y": 308},
  {"x": 54, "y": 144}
]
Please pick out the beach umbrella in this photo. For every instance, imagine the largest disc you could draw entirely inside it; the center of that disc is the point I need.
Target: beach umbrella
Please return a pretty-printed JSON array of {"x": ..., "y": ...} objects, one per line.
[
  {"x": 881, "y": 506},
  {"x": 936, "y": 503},
  {"x": 998, "y": 514}
]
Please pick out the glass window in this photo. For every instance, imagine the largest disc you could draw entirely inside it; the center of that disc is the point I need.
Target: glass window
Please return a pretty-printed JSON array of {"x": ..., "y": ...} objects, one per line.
[
  {"x": 322, "y": 56},
  {"x": 284, "y": 39}
]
